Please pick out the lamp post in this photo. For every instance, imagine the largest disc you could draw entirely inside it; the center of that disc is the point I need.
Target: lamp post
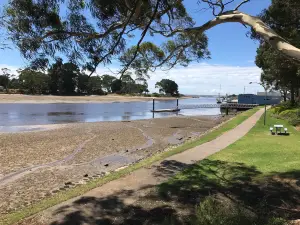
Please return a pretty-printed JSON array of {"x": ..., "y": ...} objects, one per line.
[{"x": 263, "y": 85}]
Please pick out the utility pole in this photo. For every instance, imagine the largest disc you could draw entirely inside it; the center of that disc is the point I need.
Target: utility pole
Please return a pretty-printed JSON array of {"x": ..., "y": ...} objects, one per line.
[
  {"x": 265, "y": 88},
  {"x": 244, "y": 89}
]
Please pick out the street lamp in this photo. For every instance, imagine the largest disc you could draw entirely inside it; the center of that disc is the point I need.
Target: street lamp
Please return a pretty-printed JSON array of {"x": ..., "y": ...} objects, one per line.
[{"x": 263, "y": 85}]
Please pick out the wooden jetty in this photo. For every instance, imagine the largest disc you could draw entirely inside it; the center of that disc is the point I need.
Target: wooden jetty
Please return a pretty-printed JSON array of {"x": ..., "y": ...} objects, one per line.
[
  {"x": 165, "y": 110},
  {"x": 222, "y": 106},
  {"x": 225, "y": 106},
  {"x": 237, "y": 106}
]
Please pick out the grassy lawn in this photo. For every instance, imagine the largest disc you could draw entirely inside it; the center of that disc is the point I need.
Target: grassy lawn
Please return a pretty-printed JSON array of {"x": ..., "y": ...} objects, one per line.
[
  {"x": 268, "y": 154},
  {"x": 260, "y": 173},
  {"x": 65, "y": 195}
]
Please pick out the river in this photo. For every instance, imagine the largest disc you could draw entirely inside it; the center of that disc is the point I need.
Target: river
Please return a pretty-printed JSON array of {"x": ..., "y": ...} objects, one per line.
[{"x": 18, "y": 114}]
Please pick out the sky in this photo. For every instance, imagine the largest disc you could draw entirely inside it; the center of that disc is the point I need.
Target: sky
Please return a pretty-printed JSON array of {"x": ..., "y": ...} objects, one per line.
[{"x": 229, "y": 70}]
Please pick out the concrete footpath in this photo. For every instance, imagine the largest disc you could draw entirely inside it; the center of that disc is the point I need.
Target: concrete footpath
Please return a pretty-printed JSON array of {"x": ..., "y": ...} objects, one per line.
[{"x": 137, "y": 182}]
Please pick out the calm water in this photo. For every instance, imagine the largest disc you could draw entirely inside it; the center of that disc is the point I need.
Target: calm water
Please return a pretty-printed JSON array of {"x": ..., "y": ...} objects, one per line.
[{"x": 37, "y": 114}]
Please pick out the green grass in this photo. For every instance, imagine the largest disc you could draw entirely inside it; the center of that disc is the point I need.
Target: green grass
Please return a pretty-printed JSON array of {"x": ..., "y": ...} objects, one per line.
[
  {"x": 259, "y": 171},
  {"x": 269, "y": 154},
  {"x": 65, "y": 195}
]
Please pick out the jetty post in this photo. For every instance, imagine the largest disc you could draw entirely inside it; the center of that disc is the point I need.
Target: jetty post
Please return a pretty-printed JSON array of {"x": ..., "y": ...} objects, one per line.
[{"x": 153, "y": 106}]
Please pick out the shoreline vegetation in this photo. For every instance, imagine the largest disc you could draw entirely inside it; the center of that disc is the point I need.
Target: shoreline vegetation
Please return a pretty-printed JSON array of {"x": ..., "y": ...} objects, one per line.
[
  {"x": 50, "y": 99},
  {"x": 62, "y": 196}
]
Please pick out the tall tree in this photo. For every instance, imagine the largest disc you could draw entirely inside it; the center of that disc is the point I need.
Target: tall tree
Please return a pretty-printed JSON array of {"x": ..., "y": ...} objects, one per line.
[
  {"x": 279, "y": 71},
  {"x": 69, "y": 76},
  {"x": 34, "y": 82},
  {"x": 95, "y": 85},
  {"x": 54, "y": 72},
  {"x": 116, "y": 86},
  {"x": 98, "y": 31},
  {"x": 63, "y": 77},
  {"x": 142, "y": 85},
  {"x": 128, "y": 84},
  {"x": 282, "y": 72},
  {"x": 107, "y": 81},
  {"x": 167, "y": 86},
  {"x": 83, "y": 84},
  {"x": 5, "y": 77}
]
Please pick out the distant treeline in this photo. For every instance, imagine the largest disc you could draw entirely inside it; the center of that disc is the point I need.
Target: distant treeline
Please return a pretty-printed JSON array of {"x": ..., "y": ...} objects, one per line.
[{"x": 68, "y": 79}]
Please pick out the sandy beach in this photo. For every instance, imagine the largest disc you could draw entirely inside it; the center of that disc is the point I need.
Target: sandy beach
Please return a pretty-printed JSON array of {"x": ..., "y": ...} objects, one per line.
[
  {"x": 18, "y": 98},
  {"x": 41, "y": 162}
]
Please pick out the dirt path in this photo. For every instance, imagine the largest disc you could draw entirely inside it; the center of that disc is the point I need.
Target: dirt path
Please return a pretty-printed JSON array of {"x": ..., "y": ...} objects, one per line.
[{"x": 130, "y": 188}]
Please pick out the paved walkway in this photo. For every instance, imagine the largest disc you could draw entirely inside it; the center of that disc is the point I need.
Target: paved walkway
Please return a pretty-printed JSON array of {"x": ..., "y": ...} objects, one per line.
[{"x": 137, "y": 182}]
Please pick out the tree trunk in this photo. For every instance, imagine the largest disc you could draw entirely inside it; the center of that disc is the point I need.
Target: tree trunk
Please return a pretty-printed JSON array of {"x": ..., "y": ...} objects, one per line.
[
  {"x": 284, "y": 95},
  {"x": 292, "y": 94}
]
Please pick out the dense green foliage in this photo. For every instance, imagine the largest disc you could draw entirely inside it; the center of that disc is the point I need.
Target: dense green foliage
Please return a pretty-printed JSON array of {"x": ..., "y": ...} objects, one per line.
[
  {"x": 93, "y": 32},
  {"x": 287, "y": 111},
  {"x": 5, "y": 78},
  {"x": 280, "y": 72},
  {"x": 168, "y": 87},
  {"x": 34, "y": 82}
]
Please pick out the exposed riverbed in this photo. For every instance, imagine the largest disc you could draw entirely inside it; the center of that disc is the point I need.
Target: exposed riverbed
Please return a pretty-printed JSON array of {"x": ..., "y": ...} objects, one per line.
[{"x": 39, "y": 163}]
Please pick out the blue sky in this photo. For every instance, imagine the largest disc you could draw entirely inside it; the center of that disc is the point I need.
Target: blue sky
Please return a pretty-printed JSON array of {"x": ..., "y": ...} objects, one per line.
[{"x": 231, "y": 63}]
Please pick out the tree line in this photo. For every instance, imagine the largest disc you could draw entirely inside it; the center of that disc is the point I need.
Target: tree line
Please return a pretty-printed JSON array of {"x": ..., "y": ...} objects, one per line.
[
  {"x": 68, "y": 79},
  {"x": 279, "y": 72}
]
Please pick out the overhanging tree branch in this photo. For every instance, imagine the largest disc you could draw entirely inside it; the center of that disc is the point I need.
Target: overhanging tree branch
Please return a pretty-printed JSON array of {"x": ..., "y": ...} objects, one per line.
[
  {"x": 117, "y": 42},
  {"x": 141, "y": 39},
  {"x": 258, "y": 26},
  {"x": 255, "y": 23},
  {"x": 242, "y": 3}
]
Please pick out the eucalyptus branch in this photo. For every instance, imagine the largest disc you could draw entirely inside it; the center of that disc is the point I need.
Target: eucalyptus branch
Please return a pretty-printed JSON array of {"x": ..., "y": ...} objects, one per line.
[
  {"x": 116, "y": 43},
  {"x": 242, "y": 3},
  {"x": 141, "y": 39}
]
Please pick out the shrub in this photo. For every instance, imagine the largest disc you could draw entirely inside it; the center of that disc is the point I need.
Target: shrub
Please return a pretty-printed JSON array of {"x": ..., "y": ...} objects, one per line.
[
  {"x": 290, "y": 113},
  {"x": 212, "y": 211},
  {"x": 215, "y": 212},
  {"x": 287, "y": 112},
  {"x": 294, "y": 121},
  {"x": 155, "y": 95},
  {"x": 283, "y": 107}
]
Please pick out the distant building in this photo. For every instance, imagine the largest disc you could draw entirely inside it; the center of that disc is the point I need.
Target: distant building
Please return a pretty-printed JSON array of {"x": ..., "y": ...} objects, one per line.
[
  {"x": 1, "y": 88},
  {"x": 273, "y": 98},
  {"x": 247, "y": 99}
]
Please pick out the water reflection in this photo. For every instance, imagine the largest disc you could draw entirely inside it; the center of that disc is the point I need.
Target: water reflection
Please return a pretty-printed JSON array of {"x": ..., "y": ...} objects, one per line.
[{"x": 35, "y": 114}]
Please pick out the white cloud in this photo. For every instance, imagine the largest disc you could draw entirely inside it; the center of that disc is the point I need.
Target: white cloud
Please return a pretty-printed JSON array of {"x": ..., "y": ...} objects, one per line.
[{"x": 206, "y": 79}]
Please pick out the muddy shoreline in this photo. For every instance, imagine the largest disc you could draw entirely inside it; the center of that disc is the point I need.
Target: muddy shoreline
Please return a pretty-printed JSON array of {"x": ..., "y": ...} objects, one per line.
[
  {"x": 51, "y": 99},
  {"x": 36, "y": 164}
]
